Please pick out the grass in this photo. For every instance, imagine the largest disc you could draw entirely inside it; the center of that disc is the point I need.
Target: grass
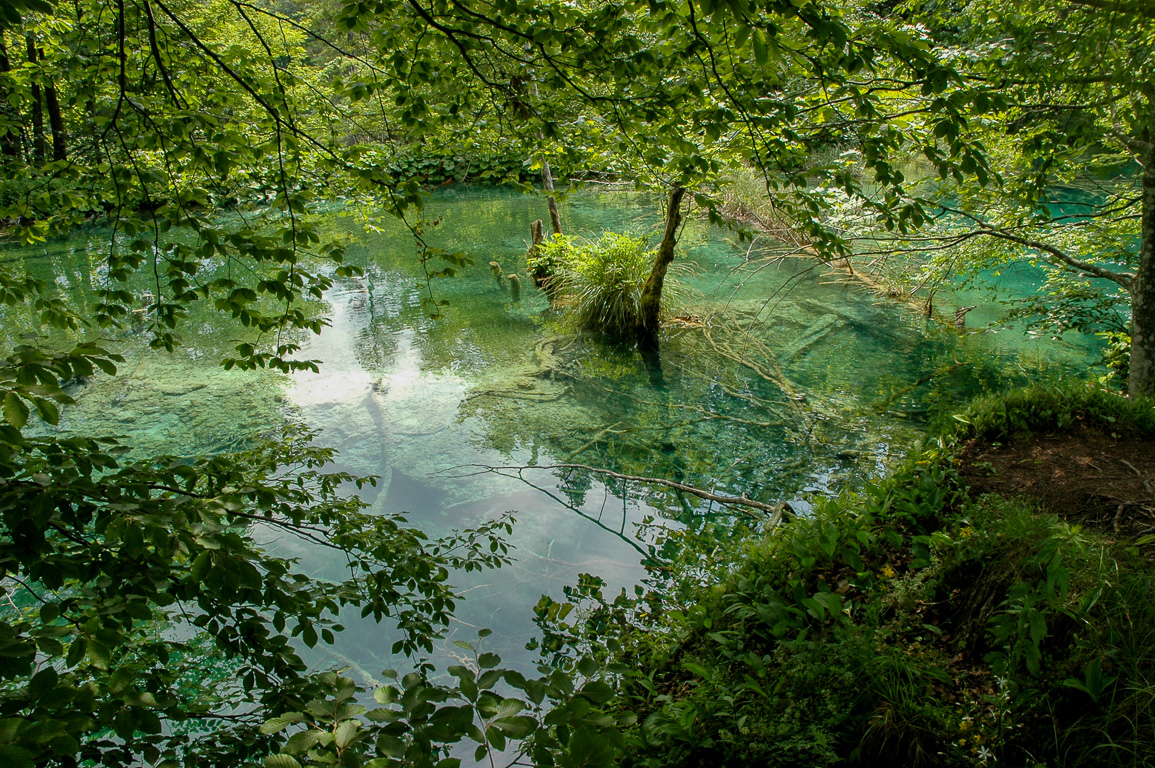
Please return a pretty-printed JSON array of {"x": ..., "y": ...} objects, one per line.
[
  {"x": 1053, "y": 408},
  {"x": 599, "y": 282}
]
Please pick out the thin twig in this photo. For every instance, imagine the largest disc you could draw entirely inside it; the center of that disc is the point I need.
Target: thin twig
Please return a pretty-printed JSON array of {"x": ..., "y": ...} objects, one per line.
[{"x": 775, "y": 511}]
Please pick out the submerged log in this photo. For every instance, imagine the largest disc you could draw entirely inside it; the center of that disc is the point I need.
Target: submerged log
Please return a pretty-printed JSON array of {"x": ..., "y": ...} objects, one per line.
[
  {"x": 771, "y": 513},
  {"x": 823, "y": 327}
]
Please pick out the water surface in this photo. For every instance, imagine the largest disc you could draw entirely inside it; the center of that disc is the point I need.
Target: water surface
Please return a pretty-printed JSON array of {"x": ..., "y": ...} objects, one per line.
[{"x": 778, "y": 379}]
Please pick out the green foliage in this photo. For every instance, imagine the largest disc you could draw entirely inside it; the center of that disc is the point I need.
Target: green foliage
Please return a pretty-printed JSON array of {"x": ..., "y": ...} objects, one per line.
[
  {"x": 111, "y": 561},
  {"x": 1117, "y": 359},
  {"x": 120, "y": 573},
  {"x": 434, "y": 168},
  {"x": 558, "y": 719},
  {"x": 905, "y": 623},
  {"x": 549, "y": 258},
  {"x": 1042, "y": 409},
  {"x": 600, "y": 282}
]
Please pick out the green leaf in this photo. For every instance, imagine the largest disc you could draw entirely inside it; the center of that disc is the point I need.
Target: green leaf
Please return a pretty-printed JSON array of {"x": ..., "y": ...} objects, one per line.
[
  {"x": 697, "y": 669},
  {"x": 390, "y": 745},
  {"x": 99, "y": 654},
  {"x": 47, "y": 410},
  {"x": 77, "y": 651},
  {"x": 200, "y": 566},
  {"x": 15, "y": 411},
  {"x": 281, "y": 761},
  {"x": 597, "y": 692},
  {"x": 346, "y": 732},
  {"x": 278, "y": 724},
  {"x": 42, "y": 682},
  {"x": 517, "y": 727},
  {"x": 12, "y": 756},
  {"x": 303, "y": 741},
  {"x": 761, "y": 55},
  {"x": 741, "y": 35}
]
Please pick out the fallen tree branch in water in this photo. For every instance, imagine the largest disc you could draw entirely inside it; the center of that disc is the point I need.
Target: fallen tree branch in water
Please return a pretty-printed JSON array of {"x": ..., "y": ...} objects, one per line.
[{"x": 773, "y": 511}]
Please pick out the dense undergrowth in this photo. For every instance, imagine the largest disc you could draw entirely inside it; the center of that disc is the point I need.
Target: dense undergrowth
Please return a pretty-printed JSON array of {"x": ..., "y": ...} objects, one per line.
[{"x": 905, "y": 624}]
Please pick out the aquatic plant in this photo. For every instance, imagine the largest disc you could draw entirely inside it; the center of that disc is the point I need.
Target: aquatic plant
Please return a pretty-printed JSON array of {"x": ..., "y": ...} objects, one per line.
[{"x": 600, "y": 283}]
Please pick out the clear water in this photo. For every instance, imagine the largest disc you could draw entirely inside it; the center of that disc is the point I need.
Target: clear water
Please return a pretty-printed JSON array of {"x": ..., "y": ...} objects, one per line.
[{"x": 783, "y": 380}]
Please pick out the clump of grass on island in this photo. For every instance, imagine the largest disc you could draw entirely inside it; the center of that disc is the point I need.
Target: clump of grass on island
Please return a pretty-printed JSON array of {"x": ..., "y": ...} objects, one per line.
[{"x": 598, "y": 282}]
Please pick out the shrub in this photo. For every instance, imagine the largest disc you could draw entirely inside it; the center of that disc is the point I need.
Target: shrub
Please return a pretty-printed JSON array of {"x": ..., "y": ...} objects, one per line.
[
  {"x": 603, "y": 283},
  {"x": 599, "y": 282},
  {"x": 906, "y": 624},
  {"x": 548, "y": 259}
]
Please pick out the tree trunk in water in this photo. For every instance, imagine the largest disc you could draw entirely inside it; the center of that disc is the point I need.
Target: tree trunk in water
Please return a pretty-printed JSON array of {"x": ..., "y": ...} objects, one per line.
[
  {"x": 10, "y": 141},
  {"x": 59, "y": 148},
  {"x": 541, "y": 276},
  {"x": 39, "y": 146},
  {"x": 547, "y": 179},
  {"x": 651, "y": 300},
  {"x": 554, "y": 216},
  {"x": 547, "y": 182},
  {"x": 1142, "y": 376}
]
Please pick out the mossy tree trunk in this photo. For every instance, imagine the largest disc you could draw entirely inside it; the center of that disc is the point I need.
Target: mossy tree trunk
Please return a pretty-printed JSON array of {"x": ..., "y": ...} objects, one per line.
[
  {"x": 651, "y": 300},
  {"x": 1142, "y": 375},
  {"x": 56, "y": 123}
]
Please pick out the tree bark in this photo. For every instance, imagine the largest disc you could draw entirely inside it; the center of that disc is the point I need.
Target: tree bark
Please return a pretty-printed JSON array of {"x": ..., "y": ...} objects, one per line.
[
  {"x": 1142, "y": 376},
  {"x": 56, "y": 120},
  {"x": 651, "y": 300},
  {"x": 547, "y": 182},
  {"x": 10, "y": 141},
  {"x": 39, "y": 145}
]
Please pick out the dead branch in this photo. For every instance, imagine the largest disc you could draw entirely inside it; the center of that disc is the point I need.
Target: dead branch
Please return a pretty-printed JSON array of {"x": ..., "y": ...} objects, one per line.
[{"x": 773, "y": 511}]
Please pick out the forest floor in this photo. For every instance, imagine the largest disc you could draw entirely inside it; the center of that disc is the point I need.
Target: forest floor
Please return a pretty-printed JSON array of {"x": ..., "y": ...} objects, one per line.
[{"x": 1084, "y": 475}]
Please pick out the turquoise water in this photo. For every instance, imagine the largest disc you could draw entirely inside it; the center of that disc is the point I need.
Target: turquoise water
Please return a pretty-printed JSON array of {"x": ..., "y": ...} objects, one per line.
[{"x": 778, "y": 380}]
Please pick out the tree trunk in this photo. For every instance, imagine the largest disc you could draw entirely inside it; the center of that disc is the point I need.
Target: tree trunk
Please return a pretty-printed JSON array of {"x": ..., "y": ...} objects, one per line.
[
  {"x": 651, "y": 300},
  {"x": 56, "y": 120},
  {"x": 10, "y": 141},
  {"x": 547, "y": 179},
  {"x": 39, "y": 145},
  {"x": 1142, "y": 376}
]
